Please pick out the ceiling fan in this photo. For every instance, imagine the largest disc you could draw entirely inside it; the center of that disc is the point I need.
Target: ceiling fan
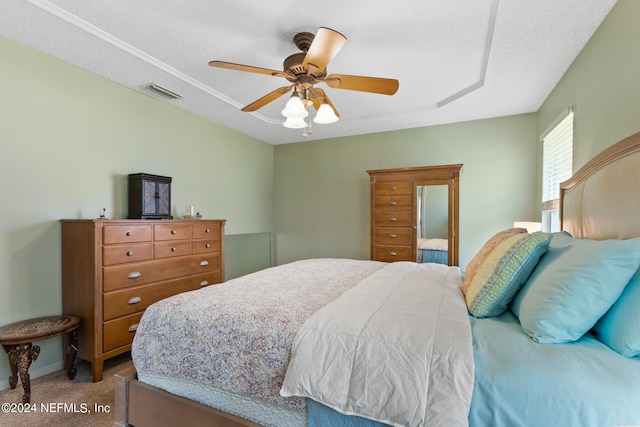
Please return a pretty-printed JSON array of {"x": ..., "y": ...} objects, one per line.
[{"x": 306, "y": 69}]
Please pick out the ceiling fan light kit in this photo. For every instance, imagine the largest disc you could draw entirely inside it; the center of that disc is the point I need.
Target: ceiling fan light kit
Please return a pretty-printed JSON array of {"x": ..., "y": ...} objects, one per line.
[
  {"x": 295, "y": 123},
  {"x": 295, "y": 109},
  {"x": 306, "y": 69},
  {"x": 325, "y": 114}
]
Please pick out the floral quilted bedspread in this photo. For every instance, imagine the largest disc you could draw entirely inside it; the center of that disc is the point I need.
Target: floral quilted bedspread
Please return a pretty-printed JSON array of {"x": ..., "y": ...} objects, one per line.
[{"x": 236, "y": 336}]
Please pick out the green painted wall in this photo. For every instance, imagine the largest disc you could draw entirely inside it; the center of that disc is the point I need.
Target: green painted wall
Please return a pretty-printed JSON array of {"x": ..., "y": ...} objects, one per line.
[
  {"x": 68, "y": 141},
  {"x": 322, "y": 187},
  {"x": 249, "y": 252},
  {"x": 603, "y": 84}
]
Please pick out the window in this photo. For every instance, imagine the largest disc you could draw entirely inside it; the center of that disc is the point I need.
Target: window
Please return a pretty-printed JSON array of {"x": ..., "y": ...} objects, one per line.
[{"x": 557, "y": 164}]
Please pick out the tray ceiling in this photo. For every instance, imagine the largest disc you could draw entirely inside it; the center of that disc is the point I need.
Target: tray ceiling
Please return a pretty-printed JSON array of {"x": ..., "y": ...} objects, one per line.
[{"x": 456, "y": 60}]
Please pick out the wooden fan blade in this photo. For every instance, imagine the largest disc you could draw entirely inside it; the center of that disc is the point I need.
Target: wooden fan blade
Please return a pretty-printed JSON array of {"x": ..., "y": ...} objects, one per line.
[
  {"x": 272, "y": 96},
  {"x": 325, "y": 46},
  {"x": 248, "y": 68},
  {"x": 363, "y": 84},
  {"x": 317, "y": 95}
]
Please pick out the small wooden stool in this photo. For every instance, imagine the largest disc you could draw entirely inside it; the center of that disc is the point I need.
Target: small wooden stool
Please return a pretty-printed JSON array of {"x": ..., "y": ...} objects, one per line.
[{"x": 17, "y": 337}]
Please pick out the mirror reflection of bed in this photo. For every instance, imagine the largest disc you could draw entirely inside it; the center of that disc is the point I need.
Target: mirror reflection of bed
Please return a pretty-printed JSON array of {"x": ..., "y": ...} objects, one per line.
[{"x": 433, "y": 223}]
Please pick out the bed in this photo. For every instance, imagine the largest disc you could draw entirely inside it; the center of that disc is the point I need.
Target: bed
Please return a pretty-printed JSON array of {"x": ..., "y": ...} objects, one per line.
[
  {"x": 433, "y": 250},
  {"x": 512, "y": 343}
]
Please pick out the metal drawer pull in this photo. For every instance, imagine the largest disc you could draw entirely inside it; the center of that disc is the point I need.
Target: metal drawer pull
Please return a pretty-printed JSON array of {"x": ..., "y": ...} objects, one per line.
[
  {"x": 174, "y": 249},
  {"x": 173, "y": 231},
  {"x": 393, "y": 187},
  {"x": 208, "y": 245},
  {"x": 204, "y": 283},
  {"x": 134, "y": 275},
  {"x": 203, "y": 263},
  {"x": 393, "y": 236},
  {"x": 130, "y": 253},
  {"x": 129, "y": 233},
  {"x": 393, "y": 203},
  {"x": 393, "y": 253},
  {"x": 134, "y": 300},
  {"x": 393, "y": 219},
  {"x": 133, "y": 328},
  {"x": 208, "y": 230}
]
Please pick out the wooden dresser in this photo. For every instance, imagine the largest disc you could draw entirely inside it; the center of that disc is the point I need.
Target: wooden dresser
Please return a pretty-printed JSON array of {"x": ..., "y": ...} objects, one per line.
[{"x": 112, "y": 270}]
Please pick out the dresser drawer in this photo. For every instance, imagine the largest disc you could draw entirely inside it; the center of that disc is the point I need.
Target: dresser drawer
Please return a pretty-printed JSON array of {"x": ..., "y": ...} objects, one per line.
[
  {"x": 120, "y": 332},
  {"x": 172, "y": 231},
  {"x": 120, "y": 254},
  {"x": 172, "y": 248},
  {"x": 393, "y": 236},
  {"x": 205, "y": 246},
  {"x": 132, "y": 300},
  {"x": 124, "y": 276},
  {"x": 394, "y": 187},
  {"x": 396, "y": 202},
  {"x": 132, "y": 233},
  {"x": 393, "y": 219},
  {"x": 206, "y": 231},
  {"x": 392, "y": 253}
]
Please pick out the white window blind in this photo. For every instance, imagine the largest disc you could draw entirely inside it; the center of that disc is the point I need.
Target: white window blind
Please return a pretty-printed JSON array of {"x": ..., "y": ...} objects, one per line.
[{"x": 557, "y": 161}]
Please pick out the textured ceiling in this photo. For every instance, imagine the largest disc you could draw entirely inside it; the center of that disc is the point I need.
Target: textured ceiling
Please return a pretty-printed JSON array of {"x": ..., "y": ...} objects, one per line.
[{"x": 456, "y": 60}]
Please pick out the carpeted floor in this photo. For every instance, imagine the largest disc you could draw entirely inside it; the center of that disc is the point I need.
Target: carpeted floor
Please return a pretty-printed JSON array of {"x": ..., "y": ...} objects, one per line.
[{"x": 88, "y": 404}]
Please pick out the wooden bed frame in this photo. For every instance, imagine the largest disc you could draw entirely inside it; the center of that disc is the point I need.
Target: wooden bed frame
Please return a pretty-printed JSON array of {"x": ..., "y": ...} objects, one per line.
[{"x": 595, "y": 203}]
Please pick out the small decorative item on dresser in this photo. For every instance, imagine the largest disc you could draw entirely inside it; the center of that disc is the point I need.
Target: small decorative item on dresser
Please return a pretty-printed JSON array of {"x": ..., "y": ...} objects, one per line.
[
  {"x": 149, "y": 196},
  {"x": 191, "y": 214}
]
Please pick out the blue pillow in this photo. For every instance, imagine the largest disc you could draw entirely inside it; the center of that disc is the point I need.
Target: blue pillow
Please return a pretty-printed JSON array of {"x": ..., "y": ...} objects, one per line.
[
  {"x": 574, "y": 284},
  {"x": 620, "y": 327}
]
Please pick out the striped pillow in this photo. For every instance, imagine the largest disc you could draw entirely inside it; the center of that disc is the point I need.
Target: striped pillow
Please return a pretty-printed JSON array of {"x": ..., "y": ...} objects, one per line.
[
  {"x": 478, "y": 259},
  {"x": 503, "y": 272}
]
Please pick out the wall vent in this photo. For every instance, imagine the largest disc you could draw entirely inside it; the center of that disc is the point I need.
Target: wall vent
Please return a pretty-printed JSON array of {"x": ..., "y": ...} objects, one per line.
[{"x": 161, "y": 91}]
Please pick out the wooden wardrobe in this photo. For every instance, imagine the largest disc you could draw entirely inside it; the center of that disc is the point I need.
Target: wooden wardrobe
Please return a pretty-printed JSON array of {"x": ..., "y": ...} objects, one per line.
[{"x": 395, "y": 210}]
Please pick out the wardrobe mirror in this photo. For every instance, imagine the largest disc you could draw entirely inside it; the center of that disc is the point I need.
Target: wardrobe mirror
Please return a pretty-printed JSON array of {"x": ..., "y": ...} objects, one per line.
[{"x": 432, "y": 221}]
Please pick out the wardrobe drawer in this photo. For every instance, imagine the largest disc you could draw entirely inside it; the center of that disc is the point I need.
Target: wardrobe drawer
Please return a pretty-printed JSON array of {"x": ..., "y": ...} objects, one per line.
[
  {"x": 126, "y": 233},
  {"x": 392, "y": 253},
  {"x": 393, "y": 219},
  {"x": 120, "y": 254},
  {"x": 205, "y": 231},
  {"x": 393, "y": 236},
  {"x": 119, "y": 332},
  {"x": 128, "y": 275},
  {"x": 131, "y": 300},
  {"x": 394, "y": 187},
  {"x": 172, "y": 231},
  {"x": 394, "y": 202},
  {"x": 170, "y": 249}
]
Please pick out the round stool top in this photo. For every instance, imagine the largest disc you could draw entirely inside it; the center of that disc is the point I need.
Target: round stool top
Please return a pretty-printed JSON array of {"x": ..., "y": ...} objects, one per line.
[{"x": 37, "y": 329}]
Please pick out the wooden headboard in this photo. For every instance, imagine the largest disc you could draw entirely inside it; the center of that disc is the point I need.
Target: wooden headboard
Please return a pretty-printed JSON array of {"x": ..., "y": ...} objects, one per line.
[{"x": 601, "y": 200}]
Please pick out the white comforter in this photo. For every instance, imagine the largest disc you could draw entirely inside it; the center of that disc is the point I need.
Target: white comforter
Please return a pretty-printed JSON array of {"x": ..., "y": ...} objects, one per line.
[{"x": 395, "y": 348}]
